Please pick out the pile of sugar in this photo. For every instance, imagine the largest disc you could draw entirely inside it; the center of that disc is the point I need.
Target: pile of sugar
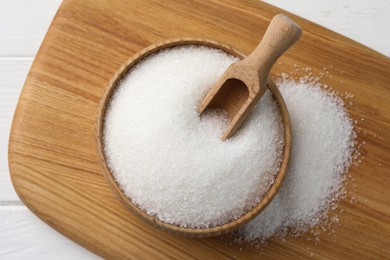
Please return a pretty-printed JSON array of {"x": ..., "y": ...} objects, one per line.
[
  {"x": 323, "y": 143},
  {"x": 171, "y": 162}
]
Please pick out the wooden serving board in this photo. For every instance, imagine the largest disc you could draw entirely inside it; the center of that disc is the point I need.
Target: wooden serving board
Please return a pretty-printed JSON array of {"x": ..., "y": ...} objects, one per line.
[{"x": 52, "y": 150}]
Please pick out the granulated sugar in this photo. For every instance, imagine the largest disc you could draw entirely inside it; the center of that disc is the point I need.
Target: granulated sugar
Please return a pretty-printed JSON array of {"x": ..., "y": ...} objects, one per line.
[
  {"x": 323, "y": 143},
  {"x": 171, "y": 162}
]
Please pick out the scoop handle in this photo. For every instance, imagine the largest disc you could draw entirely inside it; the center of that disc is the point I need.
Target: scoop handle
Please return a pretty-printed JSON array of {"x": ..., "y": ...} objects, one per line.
[{"x": 281, "y": 34}]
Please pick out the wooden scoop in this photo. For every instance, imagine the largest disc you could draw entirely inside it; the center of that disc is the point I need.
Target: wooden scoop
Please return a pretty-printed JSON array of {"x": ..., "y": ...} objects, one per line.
[{"x": 244, "y": 82}]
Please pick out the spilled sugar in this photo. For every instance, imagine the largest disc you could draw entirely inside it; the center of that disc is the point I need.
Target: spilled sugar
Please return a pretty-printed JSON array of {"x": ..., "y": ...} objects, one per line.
[
  {"x": 170, "y": 162},
  {"x": 323, "y": 143}
]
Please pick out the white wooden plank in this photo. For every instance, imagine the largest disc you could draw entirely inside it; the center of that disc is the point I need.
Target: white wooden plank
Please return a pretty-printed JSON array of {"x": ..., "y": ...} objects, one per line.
[
  {"x": 7, "y": 192},
  {"x": 24, "y": 236},
  {"x": 364, "y": 21},
  {"x": 13, "y": 72},
  {"x": 23, "y": 24}
]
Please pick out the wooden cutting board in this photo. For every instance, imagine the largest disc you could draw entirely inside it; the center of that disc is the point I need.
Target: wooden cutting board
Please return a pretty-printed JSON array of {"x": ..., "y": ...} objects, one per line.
[{"x": 52, "y": 150}]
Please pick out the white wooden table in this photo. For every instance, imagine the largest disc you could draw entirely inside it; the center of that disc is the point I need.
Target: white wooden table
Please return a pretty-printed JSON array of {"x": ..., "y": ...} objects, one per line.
[{"x": 23, "y": 24}]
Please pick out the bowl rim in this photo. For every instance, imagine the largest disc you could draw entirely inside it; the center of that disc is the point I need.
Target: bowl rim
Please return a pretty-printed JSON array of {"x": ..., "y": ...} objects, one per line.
[{"x": 119, "y": 194}]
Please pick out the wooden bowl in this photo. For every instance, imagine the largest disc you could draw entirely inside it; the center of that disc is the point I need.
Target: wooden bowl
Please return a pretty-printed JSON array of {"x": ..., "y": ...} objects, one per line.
[{"x": 189, "y": 232}]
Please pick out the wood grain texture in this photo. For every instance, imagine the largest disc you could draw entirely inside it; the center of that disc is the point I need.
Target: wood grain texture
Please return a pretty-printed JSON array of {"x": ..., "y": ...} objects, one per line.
[
  {"x": 52, "y": 153},
  {"x": 12, "y": 74},
  {"x": 243, "y": 84},
  {"x": 351, "y": 18}
]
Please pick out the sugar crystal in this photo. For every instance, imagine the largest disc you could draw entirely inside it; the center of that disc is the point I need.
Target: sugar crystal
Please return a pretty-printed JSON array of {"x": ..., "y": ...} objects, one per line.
[
  {"x": 169, "y": 161},
  {"x": 323, "y": 144}
]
